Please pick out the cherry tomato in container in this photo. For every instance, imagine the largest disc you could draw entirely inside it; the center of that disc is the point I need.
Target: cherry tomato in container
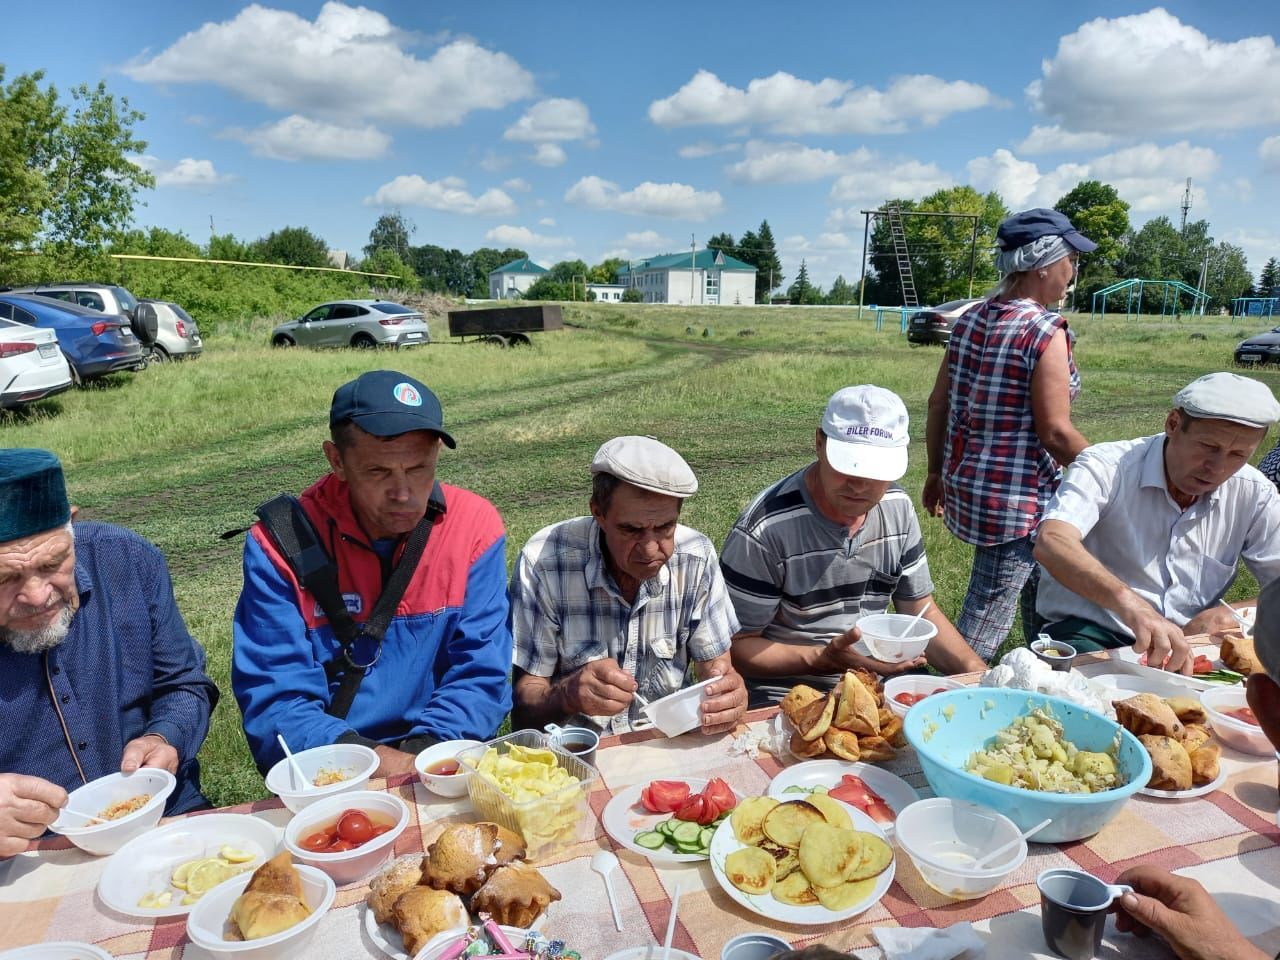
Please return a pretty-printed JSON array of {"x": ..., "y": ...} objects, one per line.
[{"x": 355, "y": 827}]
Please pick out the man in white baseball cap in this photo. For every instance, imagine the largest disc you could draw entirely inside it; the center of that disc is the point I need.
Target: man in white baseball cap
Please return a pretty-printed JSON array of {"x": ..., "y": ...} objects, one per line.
[
  {"x": 1144, "y": 536},
  {"x": 623, "y": 602},
  {"x": 833, "y": 541}
]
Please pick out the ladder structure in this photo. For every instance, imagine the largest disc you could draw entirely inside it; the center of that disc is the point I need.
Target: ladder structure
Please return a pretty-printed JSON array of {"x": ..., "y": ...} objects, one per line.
[{"x": 894, "y": 213}]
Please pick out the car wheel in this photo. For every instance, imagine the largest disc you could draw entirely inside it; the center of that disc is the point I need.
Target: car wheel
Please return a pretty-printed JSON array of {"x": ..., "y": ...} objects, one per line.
[
  {"x": 282, "y": 340},
  {"x": 75, "y": 375},
  {"x": 159, "y": 354},
  {"x": 362, "y": 341}
]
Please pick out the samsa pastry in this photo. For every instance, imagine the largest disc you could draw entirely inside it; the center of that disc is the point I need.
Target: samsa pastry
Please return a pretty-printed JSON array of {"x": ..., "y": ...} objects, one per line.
[
  {"x": 420, "y": 913},
  {"x": 1170, "y": 763},
  {"x": 397, "y": 877},
  {"x": 515, "y": 895},
  {"x": 1238, "y": 654},
  {"x": 815, "y": 719},
  {"x": 1204, "y": 763},
  {"x": 876, "y": 748},
  {"x": 893, "y": 732},
  {"x": 797, "y": 698},
  {"x": 461, "y": 857},
  {"x": 1145, "y": 713},
  {"x": 807, "y": 749},
  {"x": 1187, "y": 709},
  {"x": 1193, "y": 735},
  {"x": 271, "y": 903},
  {"x": 857, "y": 711},
  {"x": 842, "y": 743}
]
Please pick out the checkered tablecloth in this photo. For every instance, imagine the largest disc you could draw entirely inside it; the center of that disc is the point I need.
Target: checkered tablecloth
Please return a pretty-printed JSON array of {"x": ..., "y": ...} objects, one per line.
[{"x": 1226, "y": 840}]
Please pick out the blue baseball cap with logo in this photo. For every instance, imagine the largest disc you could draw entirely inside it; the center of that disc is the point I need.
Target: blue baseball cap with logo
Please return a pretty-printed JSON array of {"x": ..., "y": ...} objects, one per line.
[
  {"x": 1022, "y": 228},
  {"x": 386, "y": 404}
]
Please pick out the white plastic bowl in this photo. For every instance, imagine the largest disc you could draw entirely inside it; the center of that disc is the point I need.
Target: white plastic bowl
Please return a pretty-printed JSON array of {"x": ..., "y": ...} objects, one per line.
[
  {"x": 888, "y": 639},
  {"x": 109, "y": 836},
  {"x": 352, "y": 758},
  {"x": 914, "y": 683},
  {"x": 57, "y": 950},
  {"x": 348, "y": 866},
  {"x": 1236, "y": 734},
  {"x": 445, "y": 785},
  {"x": 678, "y": 712},
  {"x": 945, "y": 837},
  {"x": 208, "y": 918}
]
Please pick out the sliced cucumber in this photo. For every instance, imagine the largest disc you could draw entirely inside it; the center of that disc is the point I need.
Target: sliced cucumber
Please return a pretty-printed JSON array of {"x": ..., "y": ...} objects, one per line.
[
  {"x": 665, "y": 827},
  {"x": 650, "y": 839},
  {"x": 686, "y": 832},
  {"x": 694, "y": 848},
  {"x": 704, "y": 837},
  {"x": 794, "y": 788}
]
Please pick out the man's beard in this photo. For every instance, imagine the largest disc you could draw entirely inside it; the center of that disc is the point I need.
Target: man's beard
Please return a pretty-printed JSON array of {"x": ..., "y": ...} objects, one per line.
[{"x": 38, "y": 641}]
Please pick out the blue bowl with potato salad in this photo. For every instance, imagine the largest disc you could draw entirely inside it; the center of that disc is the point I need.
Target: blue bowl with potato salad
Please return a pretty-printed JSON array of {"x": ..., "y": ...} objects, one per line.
[{"x": 1029, "y": 757}]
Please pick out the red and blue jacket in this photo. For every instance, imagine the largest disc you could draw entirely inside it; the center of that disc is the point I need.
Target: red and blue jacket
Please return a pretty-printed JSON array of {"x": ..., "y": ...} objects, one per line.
[{"x": 445, "y": 665}]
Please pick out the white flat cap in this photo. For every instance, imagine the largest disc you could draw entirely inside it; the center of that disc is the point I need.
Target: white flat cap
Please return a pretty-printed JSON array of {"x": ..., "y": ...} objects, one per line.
[
  {"x": 648, "y": 464},
  {"x": 1229, "y": 396}
]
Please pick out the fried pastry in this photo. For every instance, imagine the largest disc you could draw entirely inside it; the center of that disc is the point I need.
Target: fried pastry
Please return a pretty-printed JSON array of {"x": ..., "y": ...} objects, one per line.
[
  {"x": 893, "y": 732},
  {"x": 515, "y": 894},
  {"x": 397, "y": 877},
  {"x": 1170, "y": 762},
  {"x": 797, "y": 698},
  {"x": 1193, "y": 735},
  {"x": 814, "y": 719},
  {"x": 1187, "y": 709},
  {"x": 873, "y": 684},
  {"x": 806, "y": 749},
  {"x": 856, "y": 711},
  {"x": 461, "y": 858},
  {"x": 421, "y": 912},
  {"x": 842, "y": 743},
  {"x": 271, "y": 903},
  {"x": 1145, "y": 713},
  {"x": 1204, "y": 763},
  {"x": 1238, "y": 654},
  {"x": 876, "y": 748}
]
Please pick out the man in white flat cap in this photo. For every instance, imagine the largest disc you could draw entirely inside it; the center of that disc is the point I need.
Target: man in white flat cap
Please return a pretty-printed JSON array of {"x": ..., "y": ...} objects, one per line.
[
  {"x": 623, "y": 601},
  {"x": 834, "y": 541},
  {"x": 1144, "y": 536}
]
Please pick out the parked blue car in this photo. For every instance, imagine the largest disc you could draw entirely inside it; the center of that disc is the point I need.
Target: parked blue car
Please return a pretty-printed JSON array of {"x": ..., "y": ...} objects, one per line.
[{"x": 94, "y": 343}]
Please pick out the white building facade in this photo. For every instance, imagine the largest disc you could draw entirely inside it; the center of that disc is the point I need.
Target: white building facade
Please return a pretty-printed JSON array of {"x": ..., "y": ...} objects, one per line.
[
  {"x": 511, "y": 280},
  {"x": 707, "y": 277}
]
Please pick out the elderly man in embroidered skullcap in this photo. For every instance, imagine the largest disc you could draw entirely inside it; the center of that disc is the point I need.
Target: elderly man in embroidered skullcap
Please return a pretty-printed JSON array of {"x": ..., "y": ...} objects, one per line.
[
  {"x": 1144, "y": 536},
  {"x": 98, "y": 673},
  {"x": 623, "y": 601}
]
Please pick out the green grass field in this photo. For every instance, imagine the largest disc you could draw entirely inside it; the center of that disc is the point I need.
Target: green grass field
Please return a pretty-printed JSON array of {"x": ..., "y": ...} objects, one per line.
[{"x": 183, "y": 452}]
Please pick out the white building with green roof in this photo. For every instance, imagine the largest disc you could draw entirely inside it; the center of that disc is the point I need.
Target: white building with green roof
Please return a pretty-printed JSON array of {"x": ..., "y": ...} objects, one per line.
[
  {"x": 512, "y": 279},
  {"x": 704, "y": 277}
]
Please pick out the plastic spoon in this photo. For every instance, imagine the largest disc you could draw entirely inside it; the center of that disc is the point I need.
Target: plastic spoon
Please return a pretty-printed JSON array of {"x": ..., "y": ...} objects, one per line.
[
  {"x": 604, "y": 863},
  {"x": 1245, "y": 627},
  {"x": 1004, "y": 848},
  {"x": 87, "y": 817},
  {"x": 671, "y": 924},
  {"x": 912, "y": 625},
  {"x": 298, "y": 776}
]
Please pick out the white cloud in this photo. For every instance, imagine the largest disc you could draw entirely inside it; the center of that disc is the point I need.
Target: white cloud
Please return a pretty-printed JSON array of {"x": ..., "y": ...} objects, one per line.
[
  {"x": 296, "y": 137},
  {"x": 675, "y": 200},
  {"x": 494, "y": 162},
  {"x": 705, "y": 148},
  {"x": 1259, "y": 245},
  {"x": 349, "y": 65},
  {"x": 874, "y": 179},
  {"x": 789, "y": 105},
  {"x": 547, "y": 222},
  {"x": 1150, "y": 74},
  {"x": 766, "y": 162},
  {"x": 826, "y": 256},
  {"x": 1269, "y": 152},
  {"x": 646, "y": 238},
  {"x": 449, "y": 195},
  {"x": 518, "y": 185},
  {"x": 556, "y": 119},
  {"x": 1020, "y": 183},
  {"x": 1056, "y": 140},
  {"x": 187, "y": 174},
  {"x": 507, "y": 235},
  {"x": 549, "y": 155}
]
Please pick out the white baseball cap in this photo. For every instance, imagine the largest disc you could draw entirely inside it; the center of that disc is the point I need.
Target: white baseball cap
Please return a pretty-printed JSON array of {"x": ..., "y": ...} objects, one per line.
[
  {"x": 866, "y": 429},
  {"x": 1229, "y": 396}
]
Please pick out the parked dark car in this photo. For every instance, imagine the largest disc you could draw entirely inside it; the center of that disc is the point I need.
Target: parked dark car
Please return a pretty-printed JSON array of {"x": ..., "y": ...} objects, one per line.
[
  {"x": 1264, "y": 348},
  {"x": 94, "y": 343},
  {"x": 933, "y": 324}
]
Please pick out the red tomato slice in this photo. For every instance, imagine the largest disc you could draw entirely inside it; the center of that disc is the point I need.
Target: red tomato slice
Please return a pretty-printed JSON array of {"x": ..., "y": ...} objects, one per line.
[
  {"x": 317, "y": 842},
  {"x": 721, "y": 794},
  {"x": 879, "y": 811},
  {"x": 665, "y": 796},
  {"x": 693, "y": 809},
  {"x": 1202, "y": 664}
]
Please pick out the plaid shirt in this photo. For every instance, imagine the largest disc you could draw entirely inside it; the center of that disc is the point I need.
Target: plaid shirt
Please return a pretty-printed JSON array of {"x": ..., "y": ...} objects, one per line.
[
  {"x": 566, "y": 611},
  {"x": 997, "y": 475}
]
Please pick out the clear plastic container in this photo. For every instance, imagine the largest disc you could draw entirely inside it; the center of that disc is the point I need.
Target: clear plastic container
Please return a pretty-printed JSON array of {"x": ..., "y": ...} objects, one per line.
[{"x": 548, "y": 823}]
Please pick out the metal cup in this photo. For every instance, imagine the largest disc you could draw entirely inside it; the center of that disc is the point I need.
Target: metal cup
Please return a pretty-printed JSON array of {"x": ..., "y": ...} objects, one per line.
[
  {"x": 1044, "y": 643},
  {"x": 1073, "y": 911},
  {"x": 579, "y": 741},
  {"x": 753, "y": 946}
]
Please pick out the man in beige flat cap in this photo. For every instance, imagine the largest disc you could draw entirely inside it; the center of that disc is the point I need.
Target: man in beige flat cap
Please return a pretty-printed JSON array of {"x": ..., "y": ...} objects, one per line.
[{"x": 623, "y": 601}]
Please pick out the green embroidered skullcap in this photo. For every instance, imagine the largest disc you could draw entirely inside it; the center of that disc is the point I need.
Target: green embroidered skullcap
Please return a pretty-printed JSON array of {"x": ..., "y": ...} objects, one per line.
[{"x": 33, "y": 496}]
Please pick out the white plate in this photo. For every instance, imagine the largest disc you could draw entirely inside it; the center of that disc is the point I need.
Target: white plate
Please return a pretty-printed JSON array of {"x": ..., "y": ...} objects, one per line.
[
  {"x": 57, "y": 950},
  {"x": 1121, "y": 686},
  {"x": 388, "y": 940},
  {"x": 1187, "y": 794},
  {"x": 624, "y": 816},
  {"x": 1127, "y": 656},
  {"x": 726, "y": 842},
  {"x": 893, "y": 790},
  {"x": 146, "y": 863}
]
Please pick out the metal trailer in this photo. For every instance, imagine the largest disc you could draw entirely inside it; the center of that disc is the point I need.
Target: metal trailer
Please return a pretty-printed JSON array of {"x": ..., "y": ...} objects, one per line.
[{"x": 505, "y": 326}]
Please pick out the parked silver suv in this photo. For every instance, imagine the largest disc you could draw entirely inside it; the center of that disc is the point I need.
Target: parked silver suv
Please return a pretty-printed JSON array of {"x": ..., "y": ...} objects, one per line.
[{"x": 177, "y": 335}]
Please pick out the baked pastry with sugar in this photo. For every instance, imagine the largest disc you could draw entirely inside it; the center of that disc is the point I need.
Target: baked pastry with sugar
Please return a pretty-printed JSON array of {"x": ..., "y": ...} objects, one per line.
[{"x": 515, "y": 894}]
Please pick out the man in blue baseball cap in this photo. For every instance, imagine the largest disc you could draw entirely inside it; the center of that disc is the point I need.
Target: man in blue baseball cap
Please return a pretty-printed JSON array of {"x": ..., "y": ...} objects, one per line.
[
  {"x": 376, "y": 611},
  {"x": 98, "y": 673}
]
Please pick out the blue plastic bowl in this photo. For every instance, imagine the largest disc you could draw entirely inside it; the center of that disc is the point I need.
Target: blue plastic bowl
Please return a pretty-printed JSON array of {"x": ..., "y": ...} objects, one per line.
[{"x": 977, "y": 714}]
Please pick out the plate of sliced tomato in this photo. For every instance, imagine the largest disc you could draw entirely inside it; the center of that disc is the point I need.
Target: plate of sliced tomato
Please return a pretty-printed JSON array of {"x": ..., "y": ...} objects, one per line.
[
  {"x": 669, "y": 817},
  {"x": 1208, "y": 670},
  {"x": 873, "y": 790}
]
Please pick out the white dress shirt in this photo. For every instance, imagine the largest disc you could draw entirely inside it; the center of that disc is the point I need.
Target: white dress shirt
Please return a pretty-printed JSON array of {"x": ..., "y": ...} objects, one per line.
[{"x": 1179, "y": 561}]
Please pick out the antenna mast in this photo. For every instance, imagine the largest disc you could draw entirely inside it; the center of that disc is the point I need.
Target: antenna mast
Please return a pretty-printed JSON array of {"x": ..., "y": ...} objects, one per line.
[{"x": 1186, "y": 205}]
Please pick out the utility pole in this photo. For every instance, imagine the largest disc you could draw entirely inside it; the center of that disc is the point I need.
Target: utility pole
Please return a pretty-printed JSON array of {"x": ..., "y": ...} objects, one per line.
[
  {"x": 1186, "y": 206},
  {"x": 212, "y": 232},
  {"x": 693, "y": 263}
]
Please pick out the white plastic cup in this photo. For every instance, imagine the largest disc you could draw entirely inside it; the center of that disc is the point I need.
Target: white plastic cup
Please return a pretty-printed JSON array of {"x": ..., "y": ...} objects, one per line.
[
  {"x": 678, "y": 712},
  {"x": 945, "y": 837},
  {"x": 353, "y": 758},
  {"x": 894, "y": 637}
]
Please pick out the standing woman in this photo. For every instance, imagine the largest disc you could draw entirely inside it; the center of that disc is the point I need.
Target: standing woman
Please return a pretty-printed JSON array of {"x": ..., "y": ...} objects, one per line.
[{"x": 999, "y": 427}]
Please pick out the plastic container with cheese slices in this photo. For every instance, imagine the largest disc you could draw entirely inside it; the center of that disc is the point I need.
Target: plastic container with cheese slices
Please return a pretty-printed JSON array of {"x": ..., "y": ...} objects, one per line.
[{"x": 547, "y": 808}]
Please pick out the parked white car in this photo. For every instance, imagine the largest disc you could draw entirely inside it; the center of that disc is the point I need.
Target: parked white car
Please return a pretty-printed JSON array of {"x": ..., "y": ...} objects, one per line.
[{"x": 32, "y": 366}]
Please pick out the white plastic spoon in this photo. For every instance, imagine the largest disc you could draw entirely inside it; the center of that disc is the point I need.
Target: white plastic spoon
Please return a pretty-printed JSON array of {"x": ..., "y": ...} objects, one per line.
[
  {"x": 671, "y": 924},
  {"x": 1004, "y": 848},
  {"x": 298, "y": 776},
  {"x": 1245, "y": 627},
  {"x": 88, "y": 818},
  {"x": 604, "y": 863},
  {"x": 912, "y": 625}
]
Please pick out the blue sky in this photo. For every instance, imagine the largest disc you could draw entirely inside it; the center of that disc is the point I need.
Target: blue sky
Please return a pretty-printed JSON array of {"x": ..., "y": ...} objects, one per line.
[{"x": 584, "y": 130}]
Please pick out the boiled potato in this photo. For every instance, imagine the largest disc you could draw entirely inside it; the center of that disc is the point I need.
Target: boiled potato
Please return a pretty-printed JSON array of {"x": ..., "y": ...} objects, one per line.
[
  {"x": 828, "y": 855},
  {"x": 786, "y": 822},
  {"x": 875, "y": 860},
  {"x": 751, "y": 870},
  {"x": 1093, "y": 764},
  {"x": 748, "y": 816},
  {"x": 832, "y": 810},
  {"x": 845, "y": 895},
  {"x": 795, "y": 890}
]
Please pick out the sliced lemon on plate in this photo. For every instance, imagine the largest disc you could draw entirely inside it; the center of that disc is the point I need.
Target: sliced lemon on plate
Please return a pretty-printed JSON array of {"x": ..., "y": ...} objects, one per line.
[
  {"x": 207, "y": 875},
  {"x": 235, "y": 855},
  {"x": 155, "y": 901},
  {"x": 182, "y": 871}
]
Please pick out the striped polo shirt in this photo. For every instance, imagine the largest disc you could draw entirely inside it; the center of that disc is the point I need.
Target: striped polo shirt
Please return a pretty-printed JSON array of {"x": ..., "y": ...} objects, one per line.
[{"x": 798, "y": 577}]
